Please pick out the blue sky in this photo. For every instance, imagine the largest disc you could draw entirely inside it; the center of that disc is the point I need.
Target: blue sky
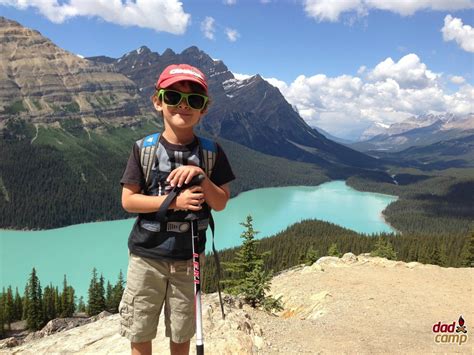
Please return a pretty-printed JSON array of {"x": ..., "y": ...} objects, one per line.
[{"x": 343, "y": 64}]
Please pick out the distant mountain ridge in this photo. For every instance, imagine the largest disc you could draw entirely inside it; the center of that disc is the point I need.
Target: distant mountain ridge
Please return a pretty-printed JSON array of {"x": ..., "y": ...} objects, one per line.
[
  {"x": 419, "y": 131},
  {"x": 450, "y": 153},
  {"x": 332, "y": 137}
]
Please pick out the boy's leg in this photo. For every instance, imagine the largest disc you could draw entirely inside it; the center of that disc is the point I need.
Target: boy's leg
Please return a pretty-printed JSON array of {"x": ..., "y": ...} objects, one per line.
[
  {"x": 179, "y": 306},
  {"x": 141, "y": 348},
  {"x": 179, "y": 349},
  {"x": 142, "y": 300}
]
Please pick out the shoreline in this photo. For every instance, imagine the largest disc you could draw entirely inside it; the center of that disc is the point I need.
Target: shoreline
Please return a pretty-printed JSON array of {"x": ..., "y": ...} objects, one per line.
[
  {"x": 239, "y": 194},
  {"x": 382, "y": 215},
  {"x": 121, "y": 219}
]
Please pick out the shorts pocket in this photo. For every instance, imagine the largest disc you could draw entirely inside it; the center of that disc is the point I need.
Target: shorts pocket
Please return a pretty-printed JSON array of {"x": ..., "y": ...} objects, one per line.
[{"x": 126, "y": 310}]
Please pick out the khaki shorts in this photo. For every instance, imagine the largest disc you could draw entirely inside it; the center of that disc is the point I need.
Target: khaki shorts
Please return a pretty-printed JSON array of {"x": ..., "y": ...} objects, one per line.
[{"x": 150, "y": 284}]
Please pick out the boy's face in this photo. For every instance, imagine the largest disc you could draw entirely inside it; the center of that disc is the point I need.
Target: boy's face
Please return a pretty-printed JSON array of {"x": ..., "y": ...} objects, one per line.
[{"x": 181, "y": 116}]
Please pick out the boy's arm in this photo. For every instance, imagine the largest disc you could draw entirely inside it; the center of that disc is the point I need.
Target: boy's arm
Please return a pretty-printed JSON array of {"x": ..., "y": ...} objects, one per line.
[
  {"x": 134, "y": 201},
  {"x": 216, "y": 196}
]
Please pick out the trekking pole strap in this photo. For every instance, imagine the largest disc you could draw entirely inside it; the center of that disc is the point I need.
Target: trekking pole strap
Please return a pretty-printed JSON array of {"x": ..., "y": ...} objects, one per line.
[
  {"x": 218, "y": 265},
  {"x": 161, "y": 214}
]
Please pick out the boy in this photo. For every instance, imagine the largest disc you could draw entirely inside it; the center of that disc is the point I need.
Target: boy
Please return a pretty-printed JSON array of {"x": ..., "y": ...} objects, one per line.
[{"x": 160, "y": 268}]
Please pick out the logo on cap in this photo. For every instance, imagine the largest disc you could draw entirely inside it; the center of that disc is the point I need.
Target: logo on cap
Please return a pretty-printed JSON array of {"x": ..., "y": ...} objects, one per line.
[{"x": 185, "y": 71}]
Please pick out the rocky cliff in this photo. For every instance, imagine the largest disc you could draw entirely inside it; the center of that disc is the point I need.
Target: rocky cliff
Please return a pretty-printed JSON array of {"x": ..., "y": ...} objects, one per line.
[
  {"x": 40, "y": 82},
  {"x": 363, "y": 305}
]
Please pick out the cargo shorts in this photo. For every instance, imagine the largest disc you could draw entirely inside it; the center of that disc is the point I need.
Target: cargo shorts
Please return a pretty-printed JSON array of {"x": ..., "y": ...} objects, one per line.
[{"x": 150, "y": 285}]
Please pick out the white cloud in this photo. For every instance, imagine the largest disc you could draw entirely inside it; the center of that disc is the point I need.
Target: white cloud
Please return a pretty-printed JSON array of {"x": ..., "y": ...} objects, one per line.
[
  {"x": 388, "y": 93},
  {"x": 230, "y": 2},
  {"x": 408, "y": 72},
  {"x": 362, "y": 70},
  {"x": 207, "y": 27},
  {"x": 454, "y": 30},
  {"x": 458, "y": 80},
  {"x": 232, "y": 35},
  {"x": 159, "y": 15},
  {"x": 330, "y": 10}
]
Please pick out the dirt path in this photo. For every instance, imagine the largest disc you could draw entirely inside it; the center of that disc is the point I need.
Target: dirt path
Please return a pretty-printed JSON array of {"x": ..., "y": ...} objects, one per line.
[{"x": 372, "y": 306}]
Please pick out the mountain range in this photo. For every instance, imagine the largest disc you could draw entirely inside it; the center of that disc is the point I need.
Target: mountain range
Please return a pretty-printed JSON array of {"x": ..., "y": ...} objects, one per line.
[
  {"x": 42, "y": 83},
  {"x": 250, "y": 112},
  {"x": 417, "y": 131}
]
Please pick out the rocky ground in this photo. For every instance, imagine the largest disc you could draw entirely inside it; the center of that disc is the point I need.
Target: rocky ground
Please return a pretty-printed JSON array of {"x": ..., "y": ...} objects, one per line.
[{"x": 349, "y": 305}]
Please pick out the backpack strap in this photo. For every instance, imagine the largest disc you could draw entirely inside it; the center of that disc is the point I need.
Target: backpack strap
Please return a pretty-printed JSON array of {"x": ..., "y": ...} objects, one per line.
[
  {"x": 147, "y": 154},
  {"x": 208, "y": 150}
]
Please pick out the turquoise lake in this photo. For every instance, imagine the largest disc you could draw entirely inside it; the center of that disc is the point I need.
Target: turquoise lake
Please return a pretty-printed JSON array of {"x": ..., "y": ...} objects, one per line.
[{"x": 76, "y": 249}]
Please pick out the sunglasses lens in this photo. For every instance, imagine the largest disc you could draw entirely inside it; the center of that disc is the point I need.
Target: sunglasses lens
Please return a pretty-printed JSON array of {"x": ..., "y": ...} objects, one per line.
[
  {"x": 171, "y": 97},
  {"x": 196, "y": 101}
]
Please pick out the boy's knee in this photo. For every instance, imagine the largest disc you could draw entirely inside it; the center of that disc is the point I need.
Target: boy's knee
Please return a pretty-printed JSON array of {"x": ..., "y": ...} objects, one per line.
[{"x": 143, "y": 348}]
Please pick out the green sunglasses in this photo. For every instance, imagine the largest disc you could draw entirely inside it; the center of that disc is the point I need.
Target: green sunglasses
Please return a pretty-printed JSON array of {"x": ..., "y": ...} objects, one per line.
[{"x": 173, "y": 98}]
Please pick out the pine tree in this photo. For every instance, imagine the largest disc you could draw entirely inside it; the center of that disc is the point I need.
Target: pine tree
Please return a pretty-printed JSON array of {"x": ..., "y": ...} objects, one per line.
[
  {"x": 18, "y": 305},
  {"x": 467, "y": 252},
  {"x": 108, "y": 296},
  {"x": 117, "y": 293},
  {"x": 2, "y": 314},
  {"x": 384, "y": 249},
  {"x": 67, "y": 300},
  {"x": 64, "y": 298},
  {"x": 58, "y": 308},
  {"x": 92, "y": 305},
  {"x": 96, "y": 302},
  {"x": 71, "y": 302},
  {"x": 101, "y": 293},
  {"x": 311, "y": 256},
  {"x": 334, "y": 250},
  {"x": 49, "y": 308},
  {"x": 9, "y": 308},
  {"x": 34, "y": 312},
  {"x": 81, "y": 307},
  {"x": 26, "y": 302},
  {"x": 250, "y": 280},
  {"x": 435, "y": 257}
]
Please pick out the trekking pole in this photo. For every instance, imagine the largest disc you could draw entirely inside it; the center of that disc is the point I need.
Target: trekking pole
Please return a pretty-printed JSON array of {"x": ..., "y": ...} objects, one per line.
[{"x": 193, "y": 219}]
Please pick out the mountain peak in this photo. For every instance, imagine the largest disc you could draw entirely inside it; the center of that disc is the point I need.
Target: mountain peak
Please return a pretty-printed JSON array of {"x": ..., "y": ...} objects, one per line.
[
  {"x": 5, "y": 21},
  {"x": 168, "y": 53},
  {"x": 193, "y": 50},
  {"x": 143, "y": 50}
]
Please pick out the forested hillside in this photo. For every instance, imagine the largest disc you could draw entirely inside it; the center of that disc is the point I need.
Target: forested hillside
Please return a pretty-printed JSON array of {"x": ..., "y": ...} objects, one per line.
[
  {"x": 58, "y": 176},
  {"x": 431, "y": 202}
]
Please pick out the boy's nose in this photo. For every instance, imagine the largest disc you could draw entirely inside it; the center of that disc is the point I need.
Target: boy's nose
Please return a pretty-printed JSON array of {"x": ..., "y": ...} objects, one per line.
[{"x": 183, "y": 103}]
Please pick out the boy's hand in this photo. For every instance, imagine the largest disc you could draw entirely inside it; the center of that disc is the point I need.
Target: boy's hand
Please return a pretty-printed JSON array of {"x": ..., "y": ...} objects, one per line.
[
  {"x": 190, "y": 199},
  {"x": 183, "y": 175}
]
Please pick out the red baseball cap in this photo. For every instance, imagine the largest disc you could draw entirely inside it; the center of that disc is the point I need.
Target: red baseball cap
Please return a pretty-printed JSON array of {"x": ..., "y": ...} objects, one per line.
[{"x": 180, "y": 72}]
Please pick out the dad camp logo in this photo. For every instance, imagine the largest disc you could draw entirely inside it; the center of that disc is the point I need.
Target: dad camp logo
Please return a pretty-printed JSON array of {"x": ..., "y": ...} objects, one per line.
[{"x": 450, "y": 333}]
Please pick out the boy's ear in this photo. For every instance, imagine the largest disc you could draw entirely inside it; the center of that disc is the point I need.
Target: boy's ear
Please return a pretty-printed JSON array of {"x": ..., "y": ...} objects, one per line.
[{"x": 157, "y": 103}]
